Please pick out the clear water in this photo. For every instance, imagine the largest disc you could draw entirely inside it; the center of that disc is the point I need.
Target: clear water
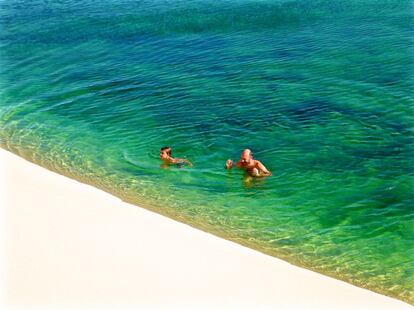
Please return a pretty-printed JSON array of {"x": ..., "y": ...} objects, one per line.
[{"x": 321, "y": 91}]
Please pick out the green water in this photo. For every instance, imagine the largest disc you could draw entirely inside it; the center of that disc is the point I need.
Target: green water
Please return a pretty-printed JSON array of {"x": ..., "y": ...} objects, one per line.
[{"x": 321, "y": 91}]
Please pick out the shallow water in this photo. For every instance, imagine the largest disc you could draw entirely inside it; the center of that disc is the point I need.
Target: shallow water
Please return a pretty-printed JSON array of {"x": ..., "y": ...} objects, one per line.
[{"x": 319, "y": 90}]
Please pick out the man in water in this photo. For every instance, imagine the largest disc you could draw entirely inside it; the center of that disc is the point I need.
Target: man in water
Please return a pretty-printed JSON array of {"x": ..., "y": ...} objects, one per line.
[
  {"x": 165, "y": 156},
  {"x": 252, "y": 166}
]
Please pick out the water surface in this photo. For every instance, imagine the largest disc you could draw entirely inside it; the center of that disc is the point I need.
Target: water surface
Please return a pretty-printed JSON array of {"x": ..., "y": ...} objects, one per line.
[{"x": 321, "y": 91}]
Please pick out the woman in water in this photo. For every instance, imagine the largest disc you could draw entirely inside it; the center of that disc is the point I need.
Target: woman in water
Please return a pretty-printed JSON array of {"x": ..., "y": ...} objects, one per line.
[{"x": 165, "y": 156}]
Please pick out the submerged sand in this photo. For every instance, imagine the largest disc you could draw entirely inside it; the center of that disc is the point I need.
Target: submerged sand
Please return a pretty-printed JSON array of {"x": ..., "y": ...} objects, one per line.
[{"x": 67, "y": 243}]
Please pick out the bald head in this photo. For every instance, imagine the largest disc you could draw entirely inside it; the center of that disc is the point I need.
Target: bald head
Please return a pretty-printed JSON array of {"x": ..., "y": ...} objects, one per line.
[
  {"x": 246, "y": 157},
  {"x": 247, "y": 152}
]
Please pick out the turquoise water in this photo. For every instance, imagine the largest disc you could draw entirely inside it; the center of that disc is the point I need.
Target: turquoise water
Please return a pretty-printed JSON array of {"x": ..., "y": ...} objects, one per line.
[{"x": 319, "y": 90}]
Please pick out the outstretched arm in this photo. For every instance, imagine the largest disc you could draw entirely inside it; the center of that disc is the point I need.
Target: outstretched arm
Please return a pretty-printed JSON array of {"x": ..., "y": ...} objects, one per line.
[
  {"x": 262, "y": 168},
  {"x": 182, "y": 160}
]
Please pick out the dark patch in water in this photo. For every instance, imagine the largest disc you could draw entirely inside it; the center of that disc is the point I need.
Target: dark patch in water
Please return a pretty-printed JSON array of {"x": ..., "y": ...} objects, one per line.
[{"x": 313, "y": 110}]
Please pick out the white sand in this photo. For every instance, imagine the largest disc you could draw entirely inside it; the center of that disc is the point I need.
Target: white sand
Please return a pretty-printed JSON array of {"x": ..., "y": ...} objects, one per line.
[{"x": 67, "y": 243}]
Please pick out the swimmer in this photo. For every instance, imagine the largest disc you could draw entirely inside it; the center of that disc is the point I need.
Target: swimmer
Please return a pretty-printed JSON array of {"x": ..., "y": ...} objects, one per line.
[
  {"x": 165, "y": 156},
  {"x": 252, "y": 166}
]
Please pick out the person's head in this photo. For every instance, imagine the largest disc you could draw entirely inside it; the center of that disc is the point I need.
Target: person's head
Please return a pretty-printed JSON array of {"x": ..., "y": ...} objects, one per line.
[
  {"x": 165, "y": 152},
  {"x": 246, "y": 157}
]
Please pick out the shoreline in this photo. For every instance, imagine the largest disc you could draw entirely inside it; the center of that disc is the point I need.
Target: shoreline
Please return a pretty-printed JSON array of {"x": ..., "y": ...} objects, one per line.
[{"x": 70, "y": 243}]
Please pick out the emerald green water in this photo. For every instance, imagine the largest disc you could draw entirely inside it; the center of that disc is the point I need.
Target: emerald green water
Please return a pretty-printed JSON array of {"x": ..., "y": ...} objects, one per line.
[{"x": 321, "y": 91}]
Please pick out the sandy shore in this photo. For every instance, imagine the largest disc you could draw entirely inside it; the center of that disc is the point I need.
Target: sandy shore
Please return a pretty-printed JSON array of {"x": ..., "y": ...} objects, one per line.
[{"x": 67, "y": 243}]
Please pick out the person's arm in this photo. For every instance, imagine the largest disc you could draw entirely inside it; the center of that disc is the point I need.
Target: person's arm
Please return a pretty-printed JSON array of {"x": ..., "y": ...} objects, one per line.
[
  {"x": 262, "y": 168},
  {"x": 230, "y": 164},
  {"x": 172, "y": 160},
  {"x": 239, "y": 164},
  {"x": 182, "y": 160}
]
